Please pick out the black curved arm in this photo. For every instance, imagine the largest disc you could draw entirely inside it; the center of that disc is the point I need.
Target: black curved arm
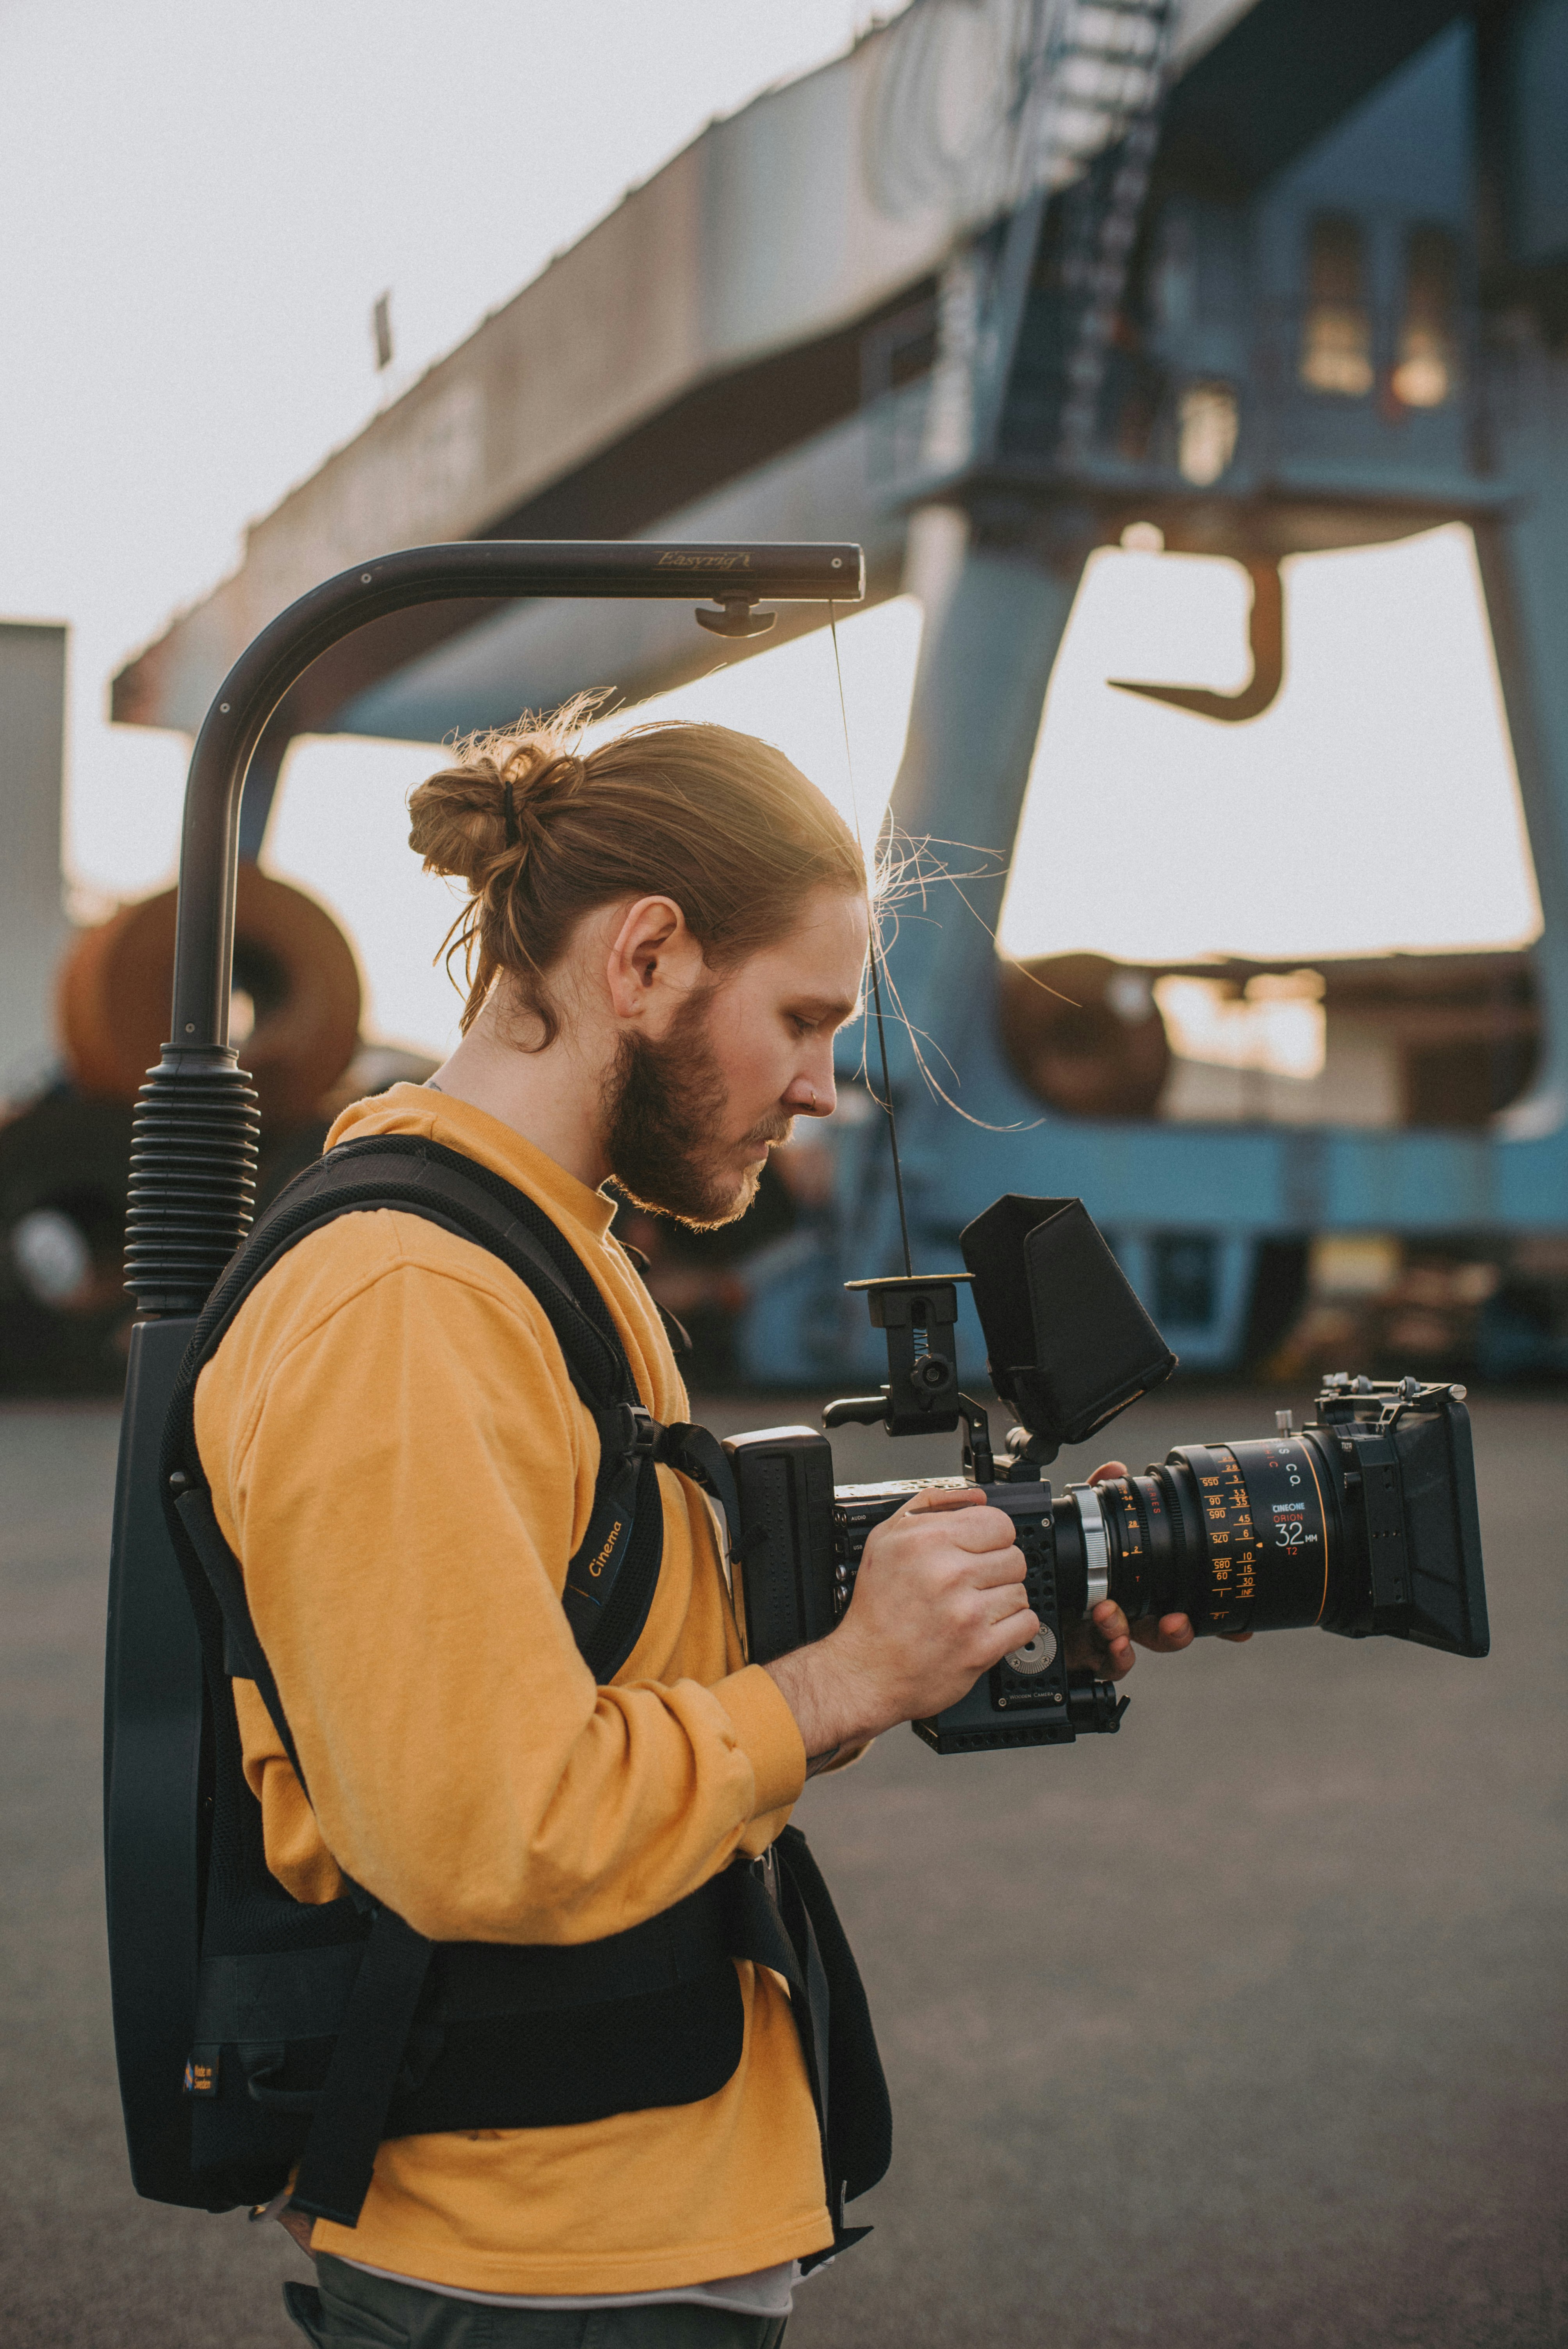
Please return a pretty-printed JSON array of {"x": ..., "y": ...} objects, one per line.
[
  {"x": 193, "y": 1144},
  {"x": 279, "y": 656}
]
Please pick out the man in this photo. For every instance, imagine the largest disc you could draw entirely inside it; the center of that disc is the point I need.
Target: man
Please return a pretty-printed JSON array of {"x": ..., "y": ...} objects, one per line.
[{"x": 663, "y": 938}]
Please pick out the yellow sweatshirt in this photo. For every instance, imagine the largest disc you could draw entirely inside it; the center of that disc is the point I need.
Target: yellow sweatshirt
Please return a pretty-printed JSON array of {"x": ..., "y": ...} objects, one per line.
[{"x": 399, "y": 1462}]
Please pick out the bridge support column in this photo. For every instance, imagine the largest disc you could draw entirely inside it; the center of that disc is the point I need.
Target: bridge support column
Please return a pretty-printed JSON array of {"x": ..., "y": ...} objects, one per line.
[
  {"x": 993, "y": 625},
  {"x": 1525, "y": 570}
]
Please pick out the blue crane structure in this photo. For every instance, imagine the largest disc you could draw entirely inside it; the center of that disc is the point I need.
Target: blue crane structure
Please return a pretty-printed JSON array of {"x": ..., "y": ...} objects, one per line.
[
  {"x": 1267, "y": 280},
  {"x": 1432, "y": 213}
]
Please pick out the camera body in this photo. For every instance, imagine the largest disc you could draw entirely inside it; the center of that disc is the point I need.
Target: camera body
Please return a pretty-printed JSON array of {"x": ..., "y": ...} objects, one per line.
[
  {"x": 1364, "y": 1522},
  {"x": 803, "y": 1539}
]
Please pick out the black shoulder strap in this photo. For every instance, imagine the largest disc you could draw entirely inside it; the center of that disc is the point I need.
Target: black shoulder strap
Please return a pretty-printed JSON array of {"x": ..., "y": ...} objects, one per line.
[{"x": 611, "y": 1580}]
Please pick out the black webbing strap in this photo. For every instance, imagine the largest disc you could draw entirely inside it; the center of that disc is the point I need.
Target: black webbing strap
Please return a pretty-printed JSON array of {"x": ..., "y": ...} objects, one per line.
[
  {"x": 627, "y": 1441},
  {"x": 298, "y": 1994},
  {"x": 636, "y": 1438},
  {"x": 362, "y": 2074},
  {"x": 785, "y": 1919},
  {"x": 245, "y": 1657},
  {"x": 698, "y": 1452},
  {"x": 858, "y": 2122},
  {"x": 372, "y": 2030}
]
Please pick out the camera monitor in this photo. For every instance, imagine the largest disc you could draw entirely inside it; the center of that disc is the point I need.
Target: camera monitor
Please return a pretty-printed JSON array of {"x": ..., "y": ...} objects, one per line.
[{"x": 1070, "y": 1345}]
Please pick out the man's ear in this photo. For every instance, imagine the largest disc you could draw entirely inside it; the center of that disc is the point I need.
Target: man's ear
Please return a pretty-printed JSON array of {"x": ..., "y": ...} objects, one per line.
[{"x": 655, "y": 965}]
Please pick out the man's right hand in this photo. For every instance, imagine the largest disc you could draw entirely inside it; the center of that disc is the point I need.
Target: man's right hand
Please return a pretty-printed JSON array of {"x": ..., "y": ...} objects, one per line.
[{"x": 938, "y": 1600}]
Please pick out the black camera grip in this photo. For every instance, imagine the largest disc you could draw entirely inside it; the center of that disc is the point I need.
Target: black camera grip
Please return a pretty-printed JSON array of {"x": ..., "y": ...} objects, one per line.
[{"x": 784, "y": 1478}]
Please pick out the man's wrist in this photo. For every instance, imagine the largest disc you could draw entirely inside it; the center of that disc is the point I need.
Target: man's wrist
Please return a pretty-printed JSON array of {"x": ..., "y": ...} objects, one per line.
[{"x": 823, "y": 1691}]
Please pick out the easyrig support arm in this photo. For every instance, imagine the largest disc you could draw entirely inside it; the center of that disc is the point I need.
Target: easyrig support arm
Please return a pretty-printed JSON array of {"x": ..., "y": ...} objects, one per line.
[{"x": 193, "y": 1151}]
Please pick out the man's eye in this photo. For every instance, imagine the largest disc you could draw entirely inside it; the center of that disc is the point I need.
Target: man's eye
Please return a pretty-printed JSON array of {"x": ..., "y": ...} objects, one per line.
[{"x": 802, "y": 1026}]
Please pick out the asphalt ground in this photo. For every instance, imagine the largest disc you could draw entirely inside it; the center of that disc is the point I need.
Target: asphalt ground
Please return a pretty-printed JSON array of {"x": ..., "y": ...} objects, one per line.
[{"x": 1240, "y": 2030}]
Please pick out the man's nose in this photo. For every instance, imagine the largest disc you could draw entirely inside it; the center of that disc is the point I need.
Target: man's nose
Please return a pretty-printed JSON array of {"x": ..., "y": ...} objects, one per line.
[{"x": 813, "y": 1094}]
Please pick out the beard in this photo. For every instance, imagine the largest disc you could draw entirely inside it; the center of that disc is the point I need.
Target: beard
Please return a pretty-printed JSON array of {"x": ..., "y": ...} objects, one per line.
[{"x": 664, "y": 1106}]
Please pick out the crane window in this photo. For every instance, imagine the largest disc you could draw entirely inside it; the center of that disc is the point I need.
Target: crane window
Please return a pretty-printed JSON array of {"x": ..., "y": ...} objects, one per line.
[
  {"x": 1425, "y": 373},
  {"x": 1209, "y": 424},
  {"x": 1336, "y": 334}
]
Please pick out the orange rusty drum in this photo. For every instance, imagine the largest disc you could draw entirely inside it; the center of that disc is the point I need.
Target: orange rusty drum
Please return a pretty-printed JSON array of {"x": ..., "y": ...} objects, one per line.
[
  {"x": 1085, "y": 1035},
  {"x": 289, "y": 959}
]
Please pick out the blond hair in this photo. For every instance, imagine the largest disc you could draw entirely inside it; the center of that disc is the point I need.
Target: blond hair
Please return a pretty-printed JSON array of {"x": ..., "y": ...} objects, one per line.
[{"x": 543, "y": 833}]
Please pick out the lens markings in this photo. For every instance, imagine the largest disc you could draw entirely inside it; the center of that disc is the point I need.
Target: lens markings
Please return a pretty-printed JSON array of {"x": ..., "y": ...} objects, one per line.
[{"x": 1232, "y": 1541}]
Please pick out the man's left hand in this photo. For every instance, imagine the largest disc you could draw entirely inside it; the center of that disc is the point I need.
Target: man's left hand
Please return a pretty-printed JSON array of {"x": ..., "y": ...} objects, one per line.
[{"x": 1103, "y": 1642}]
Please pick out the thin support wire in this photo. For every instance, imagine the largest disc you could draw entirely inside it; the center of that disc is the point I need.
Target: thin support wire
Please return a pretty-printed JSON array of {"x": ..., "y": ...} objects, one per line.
[{"x": 876, "y": 952}]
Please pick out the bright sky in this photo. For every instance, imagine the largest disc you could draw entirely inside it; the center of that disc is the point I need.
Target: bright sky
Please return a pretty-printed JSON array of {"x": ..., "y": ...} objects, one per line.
[
  {"x": 204, "y": 202},
  {"x": 1374, "y": 806}
]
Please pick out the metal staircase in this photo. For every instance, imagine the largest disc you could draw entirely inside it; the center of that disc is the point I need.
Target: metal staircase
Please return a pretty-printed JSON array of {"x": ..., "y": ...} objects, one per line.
[
  {"x": 1069, "y": 130},
  {"x": 1081, "y": 81},
  {"x": 1105, "y": 208}
]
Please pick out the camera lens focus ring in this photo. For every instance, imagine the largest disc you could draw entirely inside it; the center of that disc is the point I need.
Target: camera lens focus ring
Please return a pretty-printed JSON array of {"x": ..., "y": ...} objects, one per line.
[{"x": 1095, "y": 1549}]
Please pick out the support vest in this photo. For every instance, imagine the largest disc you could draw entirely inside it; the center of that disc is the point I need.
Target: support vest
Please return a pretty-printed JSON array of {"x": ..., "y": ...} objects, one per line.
[{"x": 322, "y": 2029}]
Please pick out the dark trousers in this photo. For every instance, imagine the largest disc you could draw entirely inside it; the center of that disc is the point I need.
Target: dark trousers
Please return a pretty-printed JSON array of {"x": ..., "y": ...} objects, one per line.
[{"x": 345, "y": 2309}]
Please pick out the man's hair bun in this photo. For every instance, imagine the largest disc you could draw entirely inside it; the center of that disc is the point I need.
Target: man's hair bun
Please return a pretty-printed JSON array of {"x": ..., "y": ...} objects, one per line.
[
  {"x": 457, "y": 822},
  {"x": 476, "y": 819}
]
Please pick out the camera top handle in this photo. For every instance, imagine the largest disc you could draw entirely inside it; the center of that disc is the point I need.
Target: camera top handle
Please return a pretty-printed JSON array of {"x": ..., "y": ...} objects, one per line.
[
  {"x": 195, "y": 1143},
  {"x": 918, "y": 1313}
]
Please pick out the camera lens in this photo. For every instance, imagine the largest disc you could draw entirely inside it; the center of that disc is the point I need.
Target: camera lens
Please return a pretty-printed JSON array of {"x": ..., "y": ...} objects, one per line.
[{"x": 1237, "y": 1536}]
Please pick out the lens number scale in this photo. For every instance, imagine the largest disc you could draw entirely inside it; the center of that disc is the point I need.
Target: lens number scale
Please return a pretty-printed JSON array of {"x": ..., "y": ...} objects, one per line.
[{"x": 1231, "y": 1537}]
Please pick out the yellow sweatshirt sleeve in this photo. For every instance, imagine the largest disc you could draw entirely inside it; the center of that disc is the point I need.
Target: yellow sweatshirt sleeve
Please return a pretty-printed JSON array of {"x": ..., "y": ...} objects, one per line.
[{"x": 401, "y": 1465}]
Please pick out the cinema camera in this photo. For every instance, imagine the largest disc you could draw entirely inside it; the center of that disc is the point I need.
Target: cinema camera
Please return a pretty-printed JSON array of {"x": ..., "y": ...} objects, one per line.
[{"x": 1364, "y": 1522}]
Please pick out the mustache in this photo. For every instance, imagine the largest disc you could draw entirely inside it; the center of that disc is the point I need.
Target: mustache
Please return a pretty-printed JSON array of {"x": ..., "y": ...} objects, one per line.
[{"x": 777, "y": 1127}]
